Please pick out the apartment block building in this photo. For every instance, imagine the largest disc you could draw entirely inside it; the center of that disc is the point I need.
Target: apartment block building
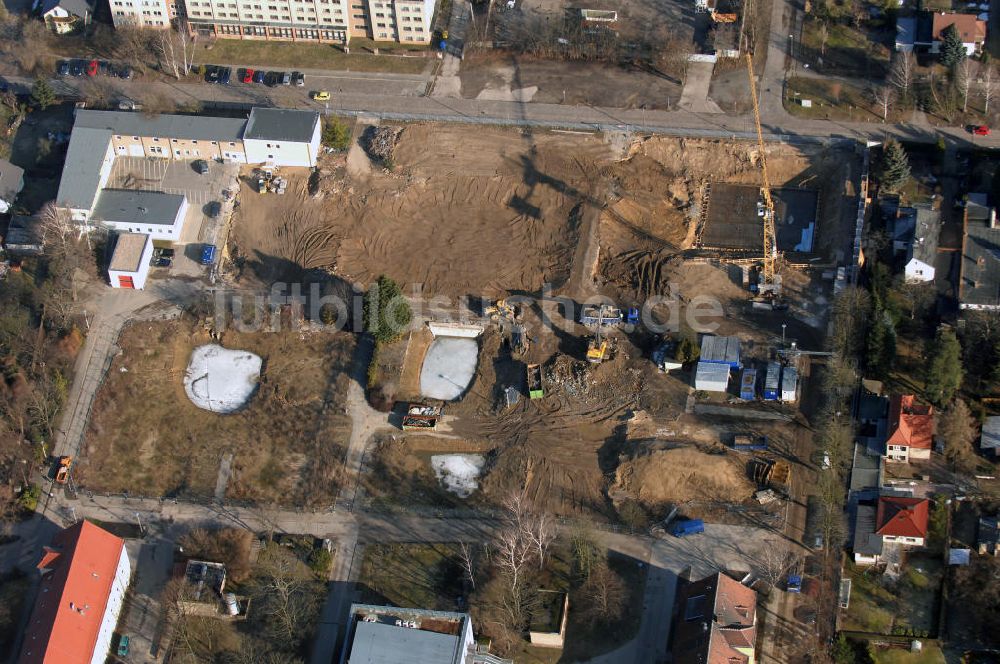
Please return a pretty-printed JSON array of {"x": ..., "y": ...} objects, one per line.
[
  {"x": 143, "y": 13},
  {"x": 404, "y": 21}
]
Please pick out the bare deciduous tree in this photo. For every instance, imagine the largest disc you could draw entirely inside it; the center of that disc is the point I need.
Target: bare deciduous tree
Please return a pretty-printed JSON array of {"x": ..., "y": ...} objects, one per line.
[
  {"x": 823, "y": 32},
  {"x": 56, "y": 226},
  {"x": 176, "y": 50},
  {"x": 468, "y": 563},
  {"x": 965, "y": 73},
  {"x": 774, "y": 563},
  {"x": 901, "y": 74},
  {"x": 604, "y": 593},
  {"x": 988, "y": 86},
  {"x": 883, "y": 97}
]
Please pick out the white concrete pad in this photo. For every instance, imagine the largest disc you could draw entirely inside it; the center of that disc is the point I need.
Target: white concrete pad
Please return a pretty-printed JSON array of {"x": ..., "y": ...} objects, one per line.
[{"x": 449, "y": 365}]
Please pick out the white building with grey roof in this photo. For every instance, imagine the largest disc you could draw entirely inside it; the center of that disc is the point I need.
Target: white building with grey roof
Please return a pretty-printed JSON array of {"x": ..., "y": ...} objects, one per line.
[
  {"x": 268, "y": 136},
  {"x": 155, "y": 213}
]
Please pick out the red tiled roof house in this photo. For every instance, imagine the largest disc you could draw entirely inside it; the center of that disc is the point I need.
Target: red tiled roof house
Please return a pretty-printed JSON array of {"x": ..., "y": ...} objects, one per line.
[
  {"x": 971, "y": 31},
  {"x": 85, "y": 573},
  {"x": 716, "y": 622},
  {"x": 911, "y": 429},
  {"x": 902, "y": 520}
]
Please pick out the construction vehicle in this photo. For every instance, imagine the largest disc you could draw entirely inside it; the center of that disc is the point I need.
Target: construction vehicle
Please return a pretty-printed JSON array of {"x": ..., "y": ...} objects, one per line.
[
  {"x": 267, "y": 182},
  {"x": 744, "y": 442},
  {"x": 534, "y": 376},
  {"x": 62, "y": 470},
  {"x": 499, "y": 309},
  {"x": 598, "y": 318},
  {"x": 421, "y": 416},
  {"x": 771, "y": 473},
  {"x": 767, "y": 286}
]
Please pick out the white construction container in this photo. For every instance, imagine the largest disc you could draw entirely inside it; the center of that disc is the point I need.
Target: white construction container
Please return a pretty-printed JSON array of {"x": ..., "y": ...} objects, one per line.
[
  {"x": 711, "y": 377},
  {"x": 789, "y": 384}
]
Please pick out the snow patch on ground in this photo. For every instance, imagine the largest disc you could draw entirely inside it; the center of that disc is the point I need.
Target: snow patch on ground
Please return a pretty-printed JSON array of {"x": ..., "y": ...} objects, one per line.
[
  {"x": 449, "y": 365},
  {"x": 220, "y": 379},
  {"x": 459, "y": 473}
]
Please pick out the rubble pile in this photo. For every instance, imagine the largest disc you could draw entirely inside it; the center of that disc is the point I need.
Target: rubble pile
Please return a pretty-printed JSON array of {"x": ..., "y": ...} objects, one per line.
[
  {"x": 613, "y": 386},
  {"x": 380, "y": 142}
]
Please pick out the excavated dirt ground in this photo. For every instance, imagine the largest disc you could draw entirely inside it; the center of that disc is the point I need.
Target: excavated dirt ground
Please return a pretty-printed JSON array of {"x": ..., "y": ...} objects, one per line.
[{"x": 464, "y": 211}]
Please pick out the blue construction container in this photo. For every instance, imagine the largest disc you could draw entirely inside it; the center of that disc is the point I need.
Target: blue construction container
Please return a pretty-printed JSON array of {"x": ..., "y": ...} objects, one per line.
[
  {"x": 772, "y": 382},
  {"x": 794, "y": 583},
  {"x": 748, "y": 384},
  {"x": 687, "y": 527},
  {"x": 208, "y": 254}
]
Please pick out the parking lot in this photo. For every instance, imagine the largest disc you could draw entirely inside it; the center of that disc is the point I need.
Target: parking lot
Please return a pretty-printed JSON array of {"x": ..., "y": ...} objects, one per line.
[{"x": 201, "y": 190}]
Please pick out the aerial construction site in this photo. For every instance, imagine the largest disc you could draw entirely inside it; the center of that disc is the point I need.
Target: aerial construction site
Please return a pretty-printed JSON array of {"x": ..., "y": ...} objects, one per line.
[{"x": 520, "y": 385}]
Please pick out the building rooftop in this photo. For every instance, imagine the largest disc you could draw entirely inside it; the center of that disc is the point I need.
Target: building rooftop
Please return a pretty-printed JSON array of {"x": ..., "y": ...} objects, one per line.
[
  {"x": 900, "y": 516},
  {"x": 716, "y": 620},
  {"x": 78, "y": 570},
  {"x": 281, "y": 124},
  {"x": 866, "y": 541},
  {"x": 979, "y": 284},
  {"x": 970, "y": 29},
  {"x": 918, "y": 228},
  {"x": 190, "y": 127},
  {"x": 866, "y": 471},
  {"x": 81, "y": 174},
  {"x": 11, "y": 180},
  {"x": 129, "y": 206},
  {"x": 75, "y": 7},
  {"x": 990, "y": 439},
  {"x": 910, "y": 423},
  {"x": 128, "y": 252},
  {"x": 720, "y": 349},
  {"x": 387, "y": 635}
]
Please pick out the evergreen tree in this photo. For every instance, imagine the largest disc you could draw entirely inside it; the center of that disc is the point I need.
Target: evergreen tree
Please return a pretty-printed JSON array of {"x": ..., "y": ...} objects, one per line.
[
  {"x": 42, "y": 93},
  {"x": 386, "y": 312},
  {"x": 687, "y": 351},
  {"x": 952, "y": 49},
  {"x": 943, "y": 368},
  {"x": 880, "y": 345},
  {"x": 894, "y": 169}
]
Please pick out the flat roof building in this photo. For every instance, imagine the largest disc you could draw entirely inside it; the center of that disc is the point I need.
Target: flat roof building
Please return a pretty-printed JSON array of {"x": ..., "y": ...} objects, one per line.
[{"x": 130, "y": 261}]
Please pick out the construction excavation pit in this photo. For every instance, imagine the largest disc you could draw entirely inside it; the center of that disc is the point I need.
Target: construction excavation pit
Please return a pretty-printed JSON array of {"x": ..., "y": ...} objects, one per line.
[{"x": 732, "y": 218}]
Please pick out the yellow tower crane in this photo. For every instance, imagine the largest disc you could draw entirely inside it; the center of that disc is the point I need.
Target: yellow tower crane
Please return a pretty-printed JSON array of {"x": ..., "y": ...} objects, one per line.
[{"x": 767, "y": 285}]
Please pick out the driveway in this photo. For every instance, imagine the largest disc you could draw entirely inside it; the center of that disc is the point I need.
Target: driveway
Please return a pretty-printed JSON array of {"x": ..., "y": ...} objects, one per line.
[{"x": 695, "y": 95}]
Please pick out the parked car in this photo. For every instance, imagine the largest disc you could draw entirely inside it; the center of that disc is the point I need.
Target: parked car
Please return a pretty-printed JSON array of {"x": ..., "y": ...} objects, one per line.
[
  {"x": 298, "y": 79},
  {"x": 980, "y": 130},
  {"x": 248, "y": 75},
  {"x": 63, "y": 68},
  {"x": 213, "y": 209},
  {"x": 321, "y": 95},
  {"x": 167, "y": 252},
  {"x": 77, "y": 67},
  {"x": 124, "y": 72},
  {"x": 258, "y": 76},
  {"x": 128, "y": 105},
  {"x": 104, "y": 68},
  {"x": 225, "y": 75},
  {"x": 123, "y": 643},
  {"x": 211, "y": 74},
  {"x": 92, "y": 68},
  {"x": 162, "y": 261},
  {"x": 200, "y": 166},
  {"x": 286, "y": 78},
  {"x": 272, "y": 78}
]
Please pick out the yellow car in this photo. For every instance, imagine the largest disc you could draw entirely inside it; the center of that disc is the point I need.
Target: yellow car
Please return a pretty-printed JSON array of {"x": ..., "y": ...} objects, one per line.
[{"x": 322, "y": 95}]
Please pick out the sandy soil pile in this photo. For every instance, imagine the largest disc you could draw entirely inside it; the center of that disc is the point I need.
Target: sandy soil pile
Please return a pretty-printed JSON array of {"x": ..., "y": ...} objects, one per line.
[{"x": 680, "y": 474}]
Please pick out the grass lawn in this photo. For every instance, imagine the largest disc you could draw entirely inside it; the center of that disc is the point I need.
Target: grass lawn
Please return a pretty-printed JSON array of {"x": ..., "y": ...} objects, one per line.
[
  {"x": 881, "y": 606},
  {"x": 848, "y": 51},
  {"x": 831, "y": 100},
  {"x": 307, "y": 56},
  {"x": 931, "y": 654},
  {"x": 426, "y": 576}
]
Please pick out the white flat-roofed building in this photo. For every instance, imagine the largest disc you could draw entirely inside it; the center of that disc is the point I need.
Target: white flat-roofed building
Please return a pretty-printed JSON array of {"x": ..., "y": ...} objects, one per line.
[
  {"x": 130, "y": 261},
  {"x": 155, "y": 213}
]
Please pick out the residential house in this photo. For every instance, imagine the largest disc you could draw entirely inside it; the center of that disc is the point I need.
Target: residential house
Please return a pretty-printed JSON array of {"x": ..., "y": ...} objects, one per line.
[
  {"x": 989, "y": 440},
  {"x": 66, "y": 16},
  {"x": 913, "y": 33},
  {"x": 11, "y": 184},
  {"x": 896, "y": 521},
  {"x": 279, "y": 137},
  {"x": 971, "y": 30},
  {"x": 915, "y": 233},
  {"x": 910, "y": 429},
  {"x": 155, "y": 14},
  {"x": 402, "y": 21},
  {"x": 378, "y": 634},
  {"x": 988, "y": 537},
  {"x": 716, "y": 622},
  {"x": 979, "y": 282},
  {"x": 85, "y": 573}
]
